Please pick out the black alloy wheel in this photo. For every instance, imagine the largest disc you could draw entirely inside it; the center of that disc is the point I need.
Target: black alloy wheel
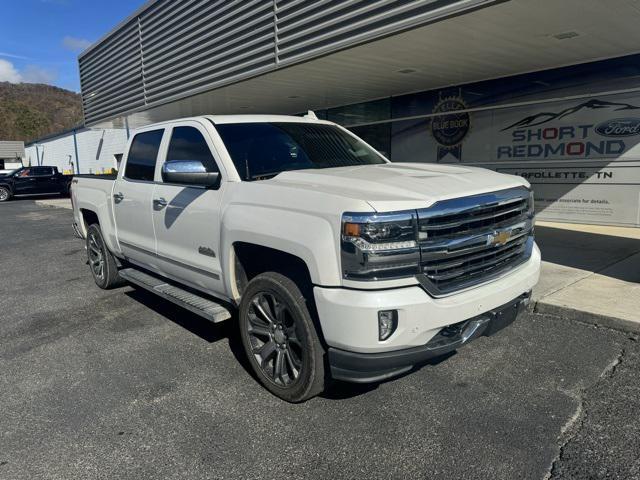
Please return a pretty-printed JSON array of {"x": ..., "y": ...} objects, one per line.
[
  {"x": 274, "y": 342},
  {"x": 102, "y": 263},
  {"x": 280, "y": 338},
  {"x": 95, "y": 255}
]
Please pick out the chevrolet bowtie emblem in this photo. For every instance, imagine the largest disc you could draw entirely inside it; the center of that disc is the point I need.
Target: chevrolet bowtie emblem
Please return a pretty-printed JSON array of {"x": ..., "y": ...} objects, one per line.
[{"x": 498, "y": 238}]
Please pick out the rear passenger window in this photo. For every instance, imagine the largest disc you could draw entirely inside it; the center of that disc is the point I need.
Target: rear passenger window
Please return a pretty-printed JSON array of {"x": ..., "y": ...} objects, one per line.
[
  {"x": 40, "y": 171},
  {"x": 187, "y": 143},
  {"x": 141, "y": 161}
]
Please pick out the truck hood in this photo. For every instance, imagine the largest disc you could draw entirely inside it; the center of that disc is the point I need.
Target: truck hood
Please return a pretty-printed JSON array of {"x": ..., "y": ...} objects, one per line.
[{"x": 400, "y": 186}]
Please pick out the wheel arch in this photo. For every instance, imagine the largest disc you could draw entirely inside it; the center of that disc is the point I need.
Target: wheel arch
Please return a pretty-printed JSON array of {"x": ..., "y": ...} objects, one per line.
[
  {"x": 308, "y": 239},
  {"x": 248, "y": 260},
  {"x": 89, "y": 217}
]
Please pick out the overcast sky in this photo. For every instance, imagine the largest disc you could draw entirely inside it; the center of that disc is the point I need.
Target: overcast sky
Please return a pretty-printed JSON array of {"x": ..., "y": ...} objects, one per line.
[{"x": 40, "y": 39}]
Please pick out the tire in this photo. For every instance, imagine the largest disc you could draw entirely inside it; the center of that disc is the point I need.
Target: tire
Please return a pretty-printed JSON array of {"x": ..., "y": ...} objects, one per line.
[
  {"x": 5, "y": 194},
  {"x": 102, "y": 263},
  {"x": 269, "y": 302}
]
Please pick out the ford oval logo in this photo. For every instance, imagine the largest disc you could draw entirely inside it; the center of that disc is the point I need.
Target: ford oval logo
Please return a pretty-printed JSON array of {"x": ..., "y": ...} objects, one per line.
[{"x": 619, "y": 127}]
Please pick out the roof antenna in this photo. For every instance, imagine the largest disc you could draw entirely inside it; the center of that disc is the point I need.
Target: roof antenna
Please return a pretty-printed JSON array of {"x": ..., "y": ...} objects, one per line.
[{"x": 311, "y": 115}]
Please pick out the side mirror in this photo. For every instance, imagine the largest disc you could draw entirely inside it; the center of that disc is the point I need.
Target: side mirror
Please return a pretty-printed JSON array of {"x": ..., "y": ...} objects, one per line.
[{"x": 189, "y": 172}]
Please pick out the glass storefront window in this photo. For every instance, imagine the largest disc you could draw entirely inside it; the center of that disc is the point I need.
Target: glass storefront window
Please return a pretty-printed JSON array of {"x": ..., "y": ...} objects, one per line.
[
  {"x": 378, "y": 136},
  {"x": 360, "y": 113}
]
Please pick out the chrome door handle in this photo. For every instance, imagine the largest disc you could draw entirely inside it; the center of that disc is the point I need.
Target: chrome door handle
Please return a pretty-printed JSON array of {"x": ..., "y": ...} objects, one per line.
[
  {"x": 118, "y": 197},
  {"x": 159, "y": 203}
]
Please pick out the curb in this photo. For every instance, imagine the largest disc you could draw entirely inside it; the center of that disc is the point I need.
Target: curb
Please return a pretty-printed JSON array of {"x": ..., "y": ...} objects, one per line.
[
  {"x": 582, "y": 316},
  {"x": 54, "y": 204}
]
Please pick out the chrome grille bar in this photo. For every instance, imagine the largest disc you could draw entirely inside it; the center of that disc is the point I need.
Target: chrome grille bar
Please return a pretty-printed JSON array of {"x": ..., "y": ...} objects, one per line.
[
  {"x": 471, "y": 240},
  {"x": 464, "y": 259},
  {"x": 490, "y": 216},
  {"x": 469, "y": 265}
]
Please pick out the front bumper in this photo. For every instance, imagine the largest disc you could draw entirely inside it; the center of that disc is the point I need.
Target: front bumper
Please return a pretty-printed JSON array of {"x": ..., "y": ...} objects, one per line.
[
  {"x": 349, "y": 317},
  {"x": 373, "y": 367},
  {"x": 349, "y": 321}
]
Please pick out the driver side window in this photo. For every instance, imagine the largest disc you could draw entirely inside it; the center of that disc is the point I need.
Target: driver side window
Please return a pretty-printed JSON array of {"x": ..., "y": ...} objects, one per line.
[{"x": 187, "y": 143}]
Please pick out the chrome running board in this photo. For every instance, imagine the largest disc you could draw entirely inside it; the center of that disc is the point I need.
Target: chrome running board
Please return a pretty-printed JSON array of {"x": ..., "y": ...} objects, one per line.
[{"x": 197, "y": 304}]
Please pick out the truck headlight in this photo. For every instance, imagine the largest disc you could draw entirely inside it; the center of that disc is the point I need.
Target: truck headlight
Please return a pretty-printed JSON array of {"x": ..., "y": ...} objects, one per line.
[
  {"x": 379, "y": 246},
  {"x": 531, "y": 210},
  {"x": 532, "y": 203}
]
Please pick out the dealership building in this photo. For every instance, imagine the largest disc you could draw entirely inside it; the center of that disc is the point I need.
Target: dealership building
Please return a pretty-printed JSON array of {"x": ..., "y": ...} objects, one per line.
[
  {"x": 11, "y": 154},
  {"x": 545, "y": 89},
  {"x": 79, "y": 150}
]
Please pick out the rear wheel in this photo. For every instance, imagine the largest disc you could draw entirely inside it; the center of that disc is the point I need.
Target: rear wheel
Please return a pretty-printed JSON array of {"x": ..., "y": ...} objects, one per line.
[
  {"x": 102, "y": 263},
  {"x": 280, "y": 339},
  {"x": 5, "y": 194}
]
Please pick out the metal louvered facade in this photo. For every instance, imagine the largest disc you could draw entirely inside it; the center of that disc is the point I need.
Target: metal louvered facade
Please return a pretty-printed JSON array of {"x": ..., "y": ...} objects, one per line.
[{"x": 172, "y": 49}]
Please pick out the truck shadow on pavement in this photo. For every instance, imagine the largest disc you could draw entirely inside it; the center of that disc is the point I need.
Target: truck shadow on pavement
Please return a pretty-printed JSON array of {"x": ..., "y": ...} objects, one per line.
[
  {"x": 206, "y": 330},
  {"x": 339, "y": 390},
  {"x": 213, "y": 332}
]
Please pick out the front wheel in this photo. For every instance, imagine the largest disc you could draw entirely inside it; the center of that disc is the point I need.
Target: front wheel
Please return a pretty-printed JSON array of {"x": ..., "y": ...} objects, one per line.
[
  {"x": 5, "y": 194},
  {"x": 280, "y": 339}
]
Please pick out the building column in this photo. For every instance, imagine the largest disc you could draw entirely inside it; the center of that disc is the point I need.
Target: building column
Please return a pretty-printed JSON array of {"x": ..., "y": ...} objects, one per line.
[{"x": 75, "y": 146}]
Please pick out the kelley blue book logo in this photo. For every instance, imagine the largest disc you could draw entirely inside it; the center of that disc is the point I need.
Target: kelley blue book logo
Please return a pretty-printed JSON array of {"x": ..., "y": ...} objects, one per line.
[{"x": 450, "y": 126}]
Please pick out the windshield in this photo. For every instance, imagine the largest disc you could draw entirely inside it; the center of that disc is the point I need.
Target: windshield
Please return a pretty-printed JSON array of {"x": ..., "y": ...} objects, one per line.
[{"x": 262, "y": 150}]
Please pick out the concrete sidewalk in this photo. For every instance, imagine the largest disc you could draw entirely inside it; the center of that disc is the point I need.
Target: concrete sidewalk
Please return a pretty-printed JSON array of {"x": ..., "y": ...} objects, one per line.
[
  {"x": 590, "y": 273},
  {"x": 58, "y": 202}
]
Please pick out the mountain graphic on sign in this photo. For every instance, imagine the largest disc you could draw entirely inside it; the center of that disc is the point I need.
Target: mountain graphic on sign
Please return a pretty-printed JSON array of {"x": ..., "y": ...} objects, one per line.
[{"x": 545, "y": 117}]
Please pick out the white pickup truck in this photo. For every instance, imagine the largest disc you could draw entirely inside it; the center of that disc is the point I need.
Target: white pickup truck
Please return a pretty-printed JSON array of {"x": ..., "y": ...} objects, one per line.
[{"x": 338, "y": 263}]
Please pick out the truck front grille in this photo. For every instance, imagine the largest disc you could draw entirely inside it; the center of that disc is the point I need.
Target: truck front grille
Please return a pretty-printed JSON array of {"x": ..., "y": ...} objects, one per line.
[{"x": 470, "y": 240}]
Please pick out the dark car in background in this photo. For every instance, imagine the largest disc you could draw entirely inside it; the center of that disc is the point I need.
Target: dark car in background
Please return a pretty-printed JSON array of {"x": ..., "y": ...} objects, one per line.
[{"x": 33, "y": 181}]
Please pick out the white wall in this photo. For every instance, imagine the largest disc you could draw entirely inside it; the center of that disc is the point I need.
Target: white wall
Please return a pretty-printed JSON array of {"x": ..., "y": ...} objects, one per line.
[
  {"x": 11, "y": 149},
  {"x": 96, "y": 150}
]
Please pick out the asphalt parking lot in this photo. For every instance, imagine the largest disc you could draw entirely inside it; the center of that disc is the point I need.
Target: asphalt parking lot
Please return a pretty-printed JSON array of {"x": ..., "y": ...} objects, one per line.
[{"x": 121, "y": 384}]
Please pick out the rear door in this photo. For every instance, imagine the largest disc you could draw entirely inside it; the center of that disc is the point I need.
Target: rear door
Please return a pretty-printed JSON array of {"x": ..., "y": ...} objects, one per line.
[
  {"x": 46, "y": 180},
  {"x": 132, "y": 192},
  {"x": 186, "y": 218}
]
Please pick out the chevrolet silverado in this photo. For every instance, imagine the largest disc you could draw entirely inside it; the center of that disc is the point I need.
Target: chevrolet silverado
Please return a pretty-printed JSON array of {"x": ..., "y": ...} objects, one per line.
[{"x": 335, "y": 262}]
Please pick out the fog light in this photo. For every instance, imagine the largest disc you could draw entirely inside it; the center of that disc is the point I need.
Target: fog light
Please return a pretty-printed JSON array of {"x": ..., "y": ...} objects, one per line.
[{"x": 387, "y": 323}]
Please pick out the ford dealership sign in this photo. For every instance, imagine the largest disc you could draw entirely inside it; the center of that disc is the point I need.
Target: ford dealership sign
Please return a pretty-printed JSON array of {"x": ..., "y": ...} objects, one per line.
[{"x": 619, "y": 127}]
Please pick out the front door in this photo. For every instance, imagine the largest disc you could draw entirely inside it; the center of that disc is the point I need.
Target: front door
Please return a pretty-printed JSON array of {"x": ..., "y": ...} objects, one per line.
[
  {"x": 132, "y": 195},
  {"x": 25, "y": 182},
  {"x": 186, "y": 218}
]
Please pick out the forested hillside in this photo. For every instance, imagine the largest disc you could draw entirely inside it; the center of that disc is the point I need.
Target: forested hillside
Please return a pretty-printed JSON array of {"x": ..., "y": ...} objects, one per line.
[{"x": 31, "y": 110}]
